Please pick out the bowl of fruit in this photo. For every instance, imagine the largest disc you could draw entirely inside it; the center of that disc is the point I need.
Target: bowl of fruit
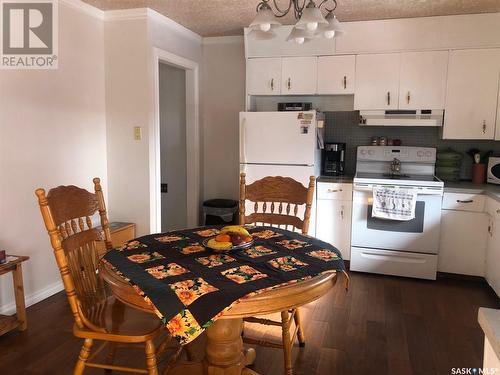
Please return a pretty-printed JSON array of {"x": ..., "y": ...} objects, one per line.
[{"x": 230, "y": 238}]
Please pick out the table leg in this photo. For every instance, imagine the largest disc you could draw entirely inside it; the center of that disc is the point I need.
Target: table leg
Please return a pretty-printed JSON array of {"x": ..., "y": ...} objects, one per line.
[
  {"x": 17, "y": 276},
  {"x": 225, "y": 354}
]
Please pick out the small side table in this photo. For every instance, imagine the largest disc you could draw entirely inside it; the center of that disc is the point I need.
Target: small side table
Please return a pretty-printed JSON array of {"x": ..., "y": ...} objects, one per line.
[
  {"x": 120, "y": 233},
  {"x": 8, "y": 323}
]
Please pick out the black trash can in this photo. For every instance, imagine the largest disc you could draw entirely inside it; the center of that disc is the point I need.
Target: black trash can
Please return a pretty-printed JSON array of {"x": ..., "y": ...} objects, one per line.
[{"x": 220, "y": 211}]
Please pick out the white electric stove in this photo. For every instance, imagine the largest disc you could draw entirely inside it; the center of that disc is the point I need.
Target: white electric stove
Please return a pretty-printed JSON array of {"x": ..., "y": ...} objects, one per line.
[{"x": 402, "y": 248}]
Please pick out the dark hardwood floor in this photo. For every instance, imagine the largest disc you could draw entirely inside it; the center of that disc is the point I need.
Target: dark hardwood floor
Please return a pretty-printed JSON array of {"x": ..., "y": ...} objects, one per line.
[{"x": 382, "y": 325}]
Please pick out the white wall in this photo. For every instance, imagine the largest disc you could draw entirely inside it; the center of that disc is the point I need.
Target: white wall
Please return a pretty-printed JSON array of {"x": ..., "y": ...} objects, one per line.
[
  {"x": 52, "y": 132},
  {"x": 127, "y": 96},
  {"x": 130, "y": 37},
  {"x": 223, "y": 93}
]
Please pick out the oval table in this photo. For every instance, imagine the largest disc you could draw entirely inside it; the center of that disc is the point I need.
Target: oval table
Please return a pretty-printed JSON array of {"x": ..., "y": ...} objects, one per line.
[{"x": 224, "y": 351}]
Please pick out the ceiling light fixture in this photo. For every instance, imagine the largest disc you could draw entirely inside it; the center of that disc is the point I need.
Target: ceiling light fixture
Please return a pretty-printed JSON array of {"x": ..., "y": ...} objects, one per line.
[{"x": 310, "y": 20}]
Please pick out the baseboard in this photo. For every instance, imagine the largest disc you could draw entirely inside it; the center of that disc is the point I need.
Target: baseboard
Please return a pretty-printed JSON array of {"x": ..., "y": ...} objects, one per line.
[{"x": 33, "y": 298}]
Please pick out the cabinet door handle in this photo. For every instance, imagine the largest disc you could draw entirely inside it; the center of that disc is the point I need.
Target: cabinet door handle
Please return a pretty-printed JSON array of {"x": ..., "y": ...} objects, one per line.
[
  {"x": 334, "y": 190},
  {"x": 484, "y": 126},
  {"x": 345, "y": 82},
  {"x": 289, "y": 83},
  {"x": 388, "y": 98},
  {"x": 467, "y": 201},
  {"x": 408, "y": 97},
  {"x": 342, "y": 213},
  {"x": 272, "y": 84}
]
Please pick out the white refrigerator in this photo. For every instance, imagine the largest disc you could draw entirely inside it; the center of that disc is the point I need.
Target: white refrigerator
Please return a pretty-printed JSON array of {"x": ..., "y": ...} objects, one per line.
[{"x": 279, "y": 144}]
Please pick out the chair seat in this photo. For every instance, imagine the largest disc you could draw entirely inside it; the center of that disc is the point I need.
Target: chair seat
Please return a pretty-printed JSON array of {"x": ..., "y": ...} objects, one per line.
[{"x": 121, "y": 320}]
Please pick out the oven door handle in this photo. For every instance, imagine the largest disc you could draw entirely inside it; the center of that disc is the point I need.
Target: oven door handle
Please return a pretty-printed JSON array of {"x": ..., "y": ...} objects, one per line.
[{"x": 392, "y": 257}]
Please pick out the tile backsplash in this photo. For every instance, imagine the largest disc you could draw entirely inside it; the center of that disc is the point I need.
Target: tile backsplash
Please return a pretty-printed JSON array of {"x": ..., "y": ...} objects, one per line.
[{"x": 343, "y": 127}]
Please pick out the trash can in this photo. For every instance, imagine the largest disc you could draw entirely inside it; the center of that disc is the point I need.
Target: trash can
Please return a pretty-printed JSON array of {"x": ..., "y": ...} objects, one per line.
[{"x": 220, "y": 211}]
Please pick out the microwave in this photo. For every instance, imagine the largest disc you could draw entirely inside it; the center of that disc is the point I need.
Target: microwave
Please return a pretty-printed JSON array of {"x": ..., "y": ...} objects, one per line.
[{"x": 494, "y": 170}]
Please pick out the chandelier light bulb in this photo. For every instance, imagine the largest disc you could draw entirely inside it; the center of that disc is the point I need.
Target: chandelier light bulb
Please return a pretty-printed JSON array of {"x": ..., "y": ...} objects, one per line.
[
  {"x": 265, "y": 26},
  {"x": 329, "y": 34},
  {"x": 300, "y": 40},
  {"x": 311, "y": 26}
]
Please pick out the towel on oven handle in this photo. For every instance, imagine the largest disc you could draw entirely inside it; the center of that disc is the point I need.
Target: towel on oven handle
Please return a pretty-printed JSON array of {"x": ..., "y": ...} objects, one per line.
[{"x": 394, "y": 203}]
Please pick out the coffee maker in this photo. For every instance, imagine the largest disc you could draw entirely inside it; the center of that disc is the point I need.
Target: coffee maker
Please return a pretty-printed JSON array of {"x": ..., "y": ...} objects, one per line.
[{"x": 333, "y": 159}]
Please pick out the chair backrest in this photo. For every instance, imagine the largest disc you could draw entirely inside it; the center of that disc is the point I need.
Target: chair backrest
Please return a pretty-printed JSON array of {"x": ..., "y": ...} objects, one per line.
[
  {"x": 67, "y": 212},
  {"x": 276, "y": 202}
]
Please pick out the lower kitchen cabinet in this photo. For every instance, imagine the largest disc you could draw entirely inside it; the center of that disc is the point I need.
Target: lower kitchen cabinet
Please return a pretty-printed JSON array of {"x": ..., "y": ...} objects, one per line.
[
  {"x": 333, "y": 224},
  {"x": 493, "y": 250},
  {"x": 464, "y": 238}
]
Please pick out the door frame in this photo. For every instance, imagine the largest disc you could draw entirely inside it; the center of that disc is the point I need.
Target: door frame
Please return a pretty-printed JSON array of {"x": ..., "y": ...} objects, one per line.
[{"x": 192, "y": 140}]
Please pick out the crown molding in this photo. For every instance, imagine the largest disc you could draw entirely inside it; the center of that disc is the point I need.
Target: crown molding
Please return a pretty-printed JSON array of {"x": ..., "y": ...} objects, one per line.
[
  {"x": 145, "y": 13},
  {"x": 84, "y": 7},
  {"x": 170, "y": 23},
  {"x": 234, "y": 39},
  {"x": 126, "y": 14}
]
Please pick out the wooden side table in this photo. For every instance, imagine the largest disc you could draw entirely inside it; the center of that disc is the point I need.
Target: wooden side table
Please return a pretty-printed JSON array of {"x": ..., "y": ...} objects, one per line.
[
  {"x": 8, "y": 323},
  {"x": 120, "y": 233}
]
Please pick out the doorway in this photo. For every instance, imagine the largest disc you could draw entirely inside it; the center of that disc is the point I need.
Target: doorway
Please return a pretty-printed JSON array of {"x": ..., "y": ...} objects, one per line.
[
  {"x": 173, "y": 165},
  {"x": 183, "y": 211}
]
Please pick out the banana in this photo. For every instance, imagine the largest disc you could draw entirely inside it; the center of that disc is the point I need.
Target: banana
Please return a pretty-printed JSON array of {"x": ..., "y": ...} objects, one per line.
[
  {"x": 235, "y": 229},
  {"x": 216, "y": 245}
]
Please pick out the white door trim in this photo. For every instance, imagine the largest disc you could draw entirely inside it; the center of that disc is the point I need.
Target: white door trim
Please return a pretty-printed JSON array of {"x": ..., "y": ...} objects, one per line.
[{"x": 192, "y": 140}]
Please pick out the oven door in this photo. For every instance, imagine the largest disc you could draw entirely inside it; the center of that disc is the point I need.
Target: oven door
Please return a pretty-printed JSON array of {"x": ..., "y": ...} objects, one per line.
[{"x": 420, "y": 235}]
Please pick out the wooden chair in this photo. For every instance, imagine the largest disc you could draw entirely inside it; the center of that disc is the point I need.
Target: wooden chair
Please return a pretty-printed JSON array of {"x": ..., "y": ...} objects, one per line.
[
  {"x": 67, "y": 212},
  {"x": 276, "y": 203}
]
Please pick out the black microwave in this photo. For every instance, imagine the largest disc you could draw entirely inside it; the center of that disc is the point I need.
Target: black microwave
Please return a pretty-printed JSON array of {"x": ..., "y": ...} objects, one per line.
[{"x": 494, "y": 170}]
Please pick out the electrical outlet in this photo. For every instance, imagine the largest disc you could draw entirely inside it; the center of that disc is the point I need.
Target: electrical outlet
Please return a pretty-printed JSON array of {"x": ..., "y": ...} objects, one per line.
[{"x": 137, "y": 133}]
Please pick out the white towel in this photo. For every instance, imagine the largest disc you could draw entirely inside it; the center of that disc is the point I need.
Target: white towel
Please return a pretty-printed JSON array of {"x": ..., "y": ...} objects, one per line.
[{"x": 394, "y": 203}]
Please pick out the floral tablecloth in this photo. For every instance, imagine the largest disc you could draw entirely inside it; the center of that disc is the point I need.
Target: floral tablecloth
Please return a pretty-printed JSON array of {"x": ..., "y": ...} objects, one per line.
[{"x": 190, "y": 286}]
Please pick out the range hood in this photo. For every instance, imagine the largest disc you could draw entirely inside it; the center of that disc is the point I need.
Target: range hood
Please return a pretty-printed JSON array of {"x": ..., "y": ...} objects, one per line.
[{"x": 424, "y": 117}]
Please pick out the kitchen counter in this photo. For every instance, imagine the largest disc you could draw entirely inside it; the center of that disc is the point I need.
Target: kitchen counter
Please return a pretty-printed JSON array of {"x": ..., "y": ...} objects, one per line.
[
  {"x": 467, "y": 187},
  {"x": 489, "y": 320},
  {"x": 346, "y": 179}
]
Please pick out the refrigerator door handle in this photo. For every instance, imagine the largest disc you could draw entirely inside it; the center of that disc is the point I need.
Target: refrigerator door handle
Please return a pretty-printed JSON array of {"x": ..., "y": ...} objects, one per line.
[{"x": 243, "y": 156}]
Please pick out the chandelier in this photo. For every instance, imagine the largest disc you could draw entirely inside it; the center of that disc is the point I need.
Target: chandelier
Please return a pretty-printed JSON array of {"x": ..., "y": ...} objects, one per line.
[{"x": 310, "y": 20}]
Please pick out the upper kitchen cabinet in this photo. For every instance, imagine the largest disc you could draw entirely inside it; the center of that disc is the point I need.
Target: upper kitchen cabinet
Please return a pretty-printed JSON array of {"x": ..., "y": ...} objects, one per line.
[
  {"x": 299, "y": 75},
  {"x": 472, "y": 94},
  {"x": 264, "y": 76},
  {"x": 422, "y": 80},
  {"x": 377, "y": 81},
  {"x": 336, "y": 74}
]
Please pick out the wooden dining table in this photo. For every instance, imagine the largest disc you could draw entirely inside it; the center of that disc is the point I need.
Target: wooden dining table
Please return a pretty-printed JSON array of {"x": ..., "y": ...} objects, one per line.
[{"x": 225, "y": 354}]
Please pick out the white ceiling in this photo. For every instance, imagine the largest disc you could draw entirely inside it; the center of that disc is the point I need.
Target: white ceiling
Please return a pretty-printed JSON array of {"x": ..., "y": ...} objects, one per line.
[{"x": 228, "y": 17}]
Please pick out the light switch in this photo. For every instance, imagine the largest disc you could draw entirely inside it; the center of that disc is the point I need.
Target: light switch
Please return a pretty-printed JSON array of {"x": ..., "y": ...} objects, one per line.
[{"x": 137, "y": 133}]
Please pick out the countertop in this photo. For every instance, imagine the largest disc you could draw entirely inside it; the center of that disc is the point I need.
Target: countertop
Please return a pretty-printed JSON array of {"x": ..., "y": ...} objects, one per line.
[
  {"x": 345, "y": 179},
  {"x": 467, "y": 187},
  {"x": 489, "y": 320}
]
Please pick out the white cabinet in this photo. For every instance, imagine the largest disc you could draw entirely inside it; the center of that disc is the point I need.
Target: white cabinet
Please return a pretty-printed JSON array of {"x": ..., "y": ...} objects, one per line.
[
  {"x": 377, "y": 81},
  {"x": 333, "y": 216},
  {"x": 464, "y": 236},
  {"x": 299, "y": 75},
  {"x": 336, "y": 74},
  {"x": 422, "y": 82},
  {"x": 493, "y": 249},
  {"x": 264, "y": 76},
  {"x": 472, "y": 94}
]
